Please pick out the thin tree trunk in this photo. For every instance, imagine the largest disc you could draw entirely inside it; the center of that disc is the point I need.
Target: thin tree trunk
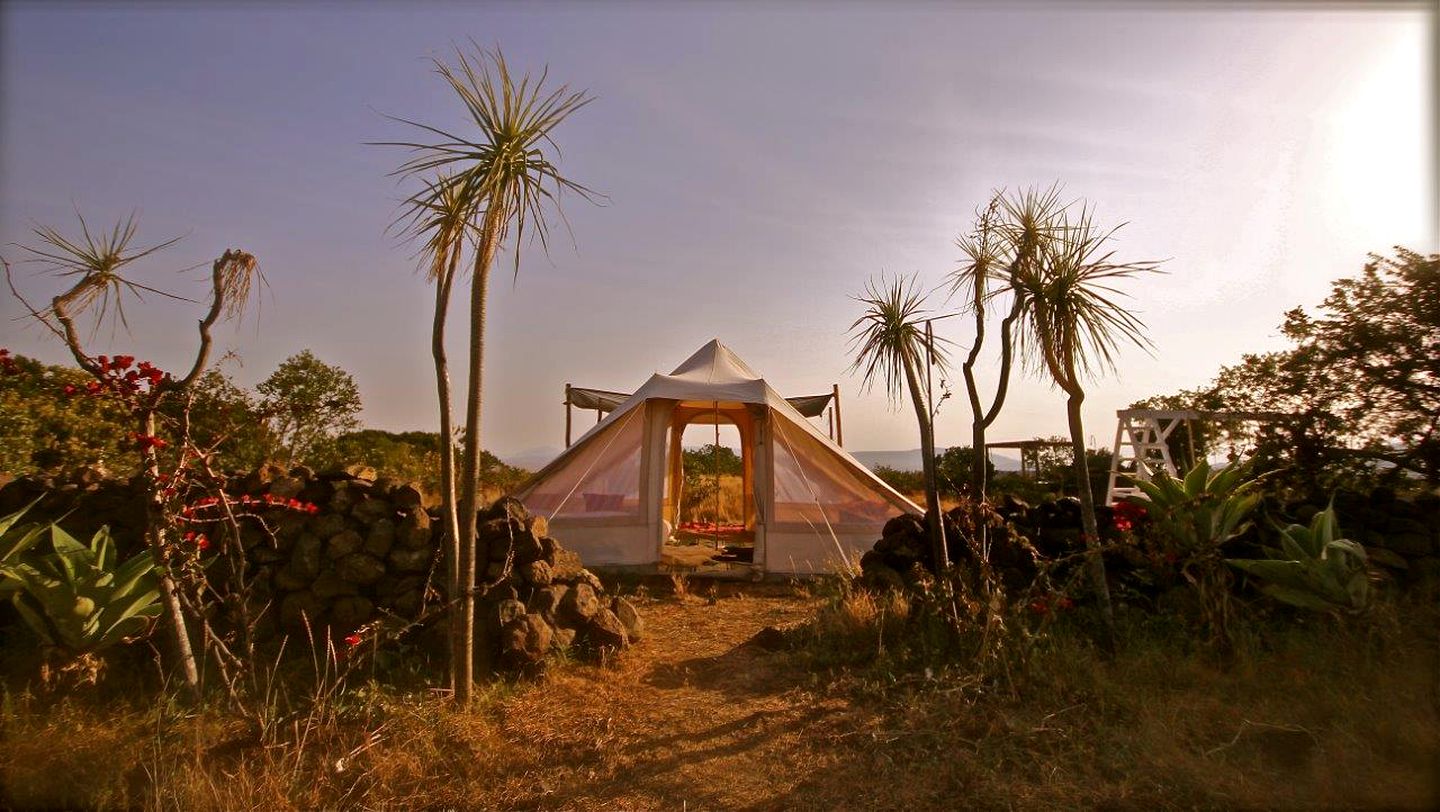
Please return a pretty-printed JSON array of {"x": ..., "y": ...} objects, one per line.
[
  {"x": 1090, "y": 527},
  {"x": 934, "y": 523},
  {"x": 155, "y": 540},
  {"x": 443, "y": 287},
  {"x": 980, "y": 473},
  {"x": 470, "y": 477},
  {"x": 972, "y": 390}
]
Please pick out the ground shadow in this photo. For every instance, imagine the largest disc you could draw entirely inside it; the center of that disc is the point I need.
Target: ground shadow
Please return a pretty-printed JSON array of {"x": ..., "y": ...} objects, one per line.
[{"x": 745, "y": 670}]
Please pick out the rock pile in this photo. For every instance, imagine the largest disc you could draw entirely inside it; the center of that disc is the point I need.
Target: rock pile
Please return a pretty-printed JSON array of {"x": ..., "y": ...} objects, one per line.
[
  {"x": 1400, "y": 534},
  {"x": 542, "y": 598},
  {"x": 370, "y": 546},
  {"x": 88, "y": 499},
  {"x": 902, "y": 557}
]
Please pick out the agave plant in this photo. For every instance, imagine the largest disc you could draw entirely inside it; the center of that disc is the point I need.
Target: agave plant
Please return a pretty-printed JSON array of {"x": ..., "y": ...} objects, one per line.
[
  {"x": 75, "y": 598},
  {"x": 1194, "y": 516},
  {"x": 1313, "y": 568}
]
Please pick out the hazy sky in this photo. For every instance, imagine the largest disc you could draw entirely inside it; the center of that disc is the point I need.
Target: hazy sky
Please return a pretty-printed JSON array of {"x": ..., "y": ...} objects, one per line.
[{"x": 762, "y": 160}]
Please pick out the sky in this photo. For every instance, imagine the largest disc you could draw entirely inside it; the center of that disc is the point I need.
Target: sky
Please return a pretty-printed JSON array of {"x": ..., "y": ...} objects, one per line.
[{"x": 760, "y": 162}]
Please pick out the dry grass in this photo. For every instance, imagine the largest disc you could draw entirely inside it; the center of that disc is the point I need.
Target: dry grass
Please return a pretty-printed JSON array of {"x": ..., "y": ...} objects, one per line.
[
  {"x": 700, "y": 505},
  {"x": 694, "y": 717}
]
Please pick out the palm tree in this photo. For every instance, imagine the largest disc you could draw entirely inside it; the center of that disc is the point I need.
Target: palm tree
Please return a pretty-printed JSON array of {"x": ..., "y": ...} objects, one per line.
[
  {"x": 503, "y": 179},
  {"x": 889, "y": 344},
  {"x": 1008, "y": 234},
  {"x": 1071, "y": 326},
  {"x": 438, "y": 215}
]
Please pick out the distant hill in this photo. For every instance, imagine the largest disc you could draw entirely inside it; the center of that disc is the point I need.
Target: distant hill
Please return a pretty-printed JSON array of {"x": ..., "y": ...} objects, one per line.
[
  {"x": 910, "y": 460},
  {"x": 532, "y": 459}
]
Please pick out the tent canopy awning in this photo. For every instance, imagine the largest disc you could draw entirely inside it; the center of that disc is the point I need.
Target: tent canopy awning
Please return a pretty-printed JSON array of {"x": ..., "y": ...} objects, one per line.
[{"x": 604, "y": 400}]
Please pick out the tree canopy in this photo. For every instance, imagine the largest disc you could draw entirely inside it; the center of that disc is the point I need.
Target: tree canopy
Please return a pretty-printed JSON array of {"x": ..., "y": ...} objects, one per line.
[
  {"x": 702, "y": 461},
  {"x": 309, "y": 402},
  {"x": 47, "y": 430},
  {"x": 1360, "y": 383}
]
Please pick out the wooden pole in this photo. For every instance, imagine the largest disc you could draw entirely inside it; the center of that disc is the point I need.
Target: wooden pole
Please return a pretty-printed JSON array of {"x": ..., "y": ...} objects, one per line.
[
  {"x": 1190, "y": 441},
  {"x": 839, "y": 432},
  {"x": 830, "y": 418},
  {"x": 929, "y": 362},
  {"x": 716, "y": 449},
  {"x": 567, "y": 415}
]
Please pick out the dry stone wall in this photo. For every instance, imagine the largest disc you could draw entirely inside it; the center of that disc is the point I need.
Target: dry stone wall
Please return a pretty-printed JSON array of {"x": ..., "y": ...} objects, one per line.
[{"x": 372, "y": 546}]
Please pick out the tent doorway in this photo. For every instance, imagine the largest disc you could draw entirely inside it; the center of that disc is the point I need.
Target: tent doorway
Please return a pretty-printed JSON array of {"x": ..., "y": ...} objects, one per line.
[{"x": 709, "y": 511}]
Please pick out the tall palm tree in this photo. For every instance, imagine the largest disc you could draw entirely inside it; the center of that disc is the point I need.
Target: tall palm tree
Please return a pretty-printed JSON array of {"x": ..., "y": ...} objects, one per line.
[
  {"x": 504, "y": 179},
  {"x": 438, "y": 214},
  {"x": 889, "y": 344},
  {"x": 1007, "y": 238},
  {"x": 1071, "y": 327}
]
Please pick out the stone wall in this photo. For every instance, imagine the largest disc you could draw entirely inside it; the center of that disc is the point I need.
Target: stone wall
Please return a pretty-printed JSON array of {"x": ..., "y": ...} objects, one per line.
[{"x": 370, "y": 546}]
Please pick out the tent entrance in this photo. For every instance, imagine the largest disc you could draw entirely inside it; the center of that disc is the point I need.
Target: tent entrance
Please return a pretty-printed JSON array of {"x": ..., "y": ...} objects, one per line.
[{"x": 709, "y": 507}]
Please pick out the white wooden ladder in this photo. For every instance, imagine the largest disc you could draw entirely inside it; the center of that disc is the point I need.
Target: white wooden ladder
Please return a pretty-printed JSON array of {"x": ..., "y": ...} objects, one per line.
[{"x": 1141, "y": 449}]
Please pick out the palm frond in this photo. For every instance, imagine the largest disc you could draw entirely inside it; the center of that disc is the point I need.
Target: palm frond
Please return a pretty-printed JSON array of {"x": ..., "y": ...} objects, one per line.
[
  {"x": 98, "y": 259},
  {"x": 508, "y": 166},
  {"x": 890, "y": 334},
  {"x": 1075, "y": 322}
]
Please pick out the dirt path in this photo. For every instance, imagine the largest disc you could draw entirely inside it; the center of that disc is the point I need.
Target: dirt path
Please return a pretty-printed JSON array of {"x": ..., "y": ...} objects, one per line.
[{"x": 692, "y": 718}]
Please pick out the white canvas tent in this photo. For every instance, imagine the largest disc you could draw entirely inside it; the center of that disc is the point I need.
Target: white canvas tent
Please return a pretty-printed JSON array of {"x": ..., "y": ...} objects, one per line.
[{"x": 613, "y": 495}]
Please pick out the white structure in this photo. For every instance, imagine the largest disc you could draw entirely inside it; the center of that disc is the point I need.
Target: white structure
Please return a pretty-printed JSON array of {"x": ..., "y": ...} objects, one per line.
[
  {"x": 1142, "y": 447},
  {"x": 810, "y": 505},
  {"x": 1141, "y": 450}
]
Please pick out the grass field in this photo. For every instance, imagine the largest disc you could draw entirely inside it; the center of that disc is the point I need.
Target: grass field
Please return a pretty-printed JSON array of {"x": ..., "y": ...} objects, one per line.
[{"x": 695, "y": 717}]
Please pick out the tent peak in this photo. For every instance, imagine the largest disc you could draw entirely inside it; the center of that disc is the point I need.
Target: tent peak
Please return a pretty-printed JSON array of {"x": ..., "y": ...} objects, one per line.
[{"x": 714, "y": 363}]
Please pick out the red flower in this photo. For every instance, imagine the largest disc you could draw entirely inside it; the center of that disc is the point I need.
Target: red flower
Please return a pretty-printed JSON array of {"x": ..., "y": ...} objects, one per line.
[
  {"x": 202, "y": 543},
  {"x": 1064, "y": 603},
  {"x": 70, "y": 390},
  {"x": 147, "y": 441},
  {"x": 124, "y": 361},
  {"x": 1127, "y": 514},
  {"x": 1039, "y": 606},
  {"x": 353, "y": 640}
]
